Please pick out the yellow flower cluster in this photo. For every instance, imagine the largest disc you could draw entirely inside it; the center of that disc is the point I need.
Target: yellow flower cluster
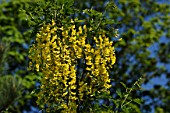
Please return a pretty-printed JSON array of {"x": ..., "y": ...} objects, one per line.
[{"x": 56, "y": 52}]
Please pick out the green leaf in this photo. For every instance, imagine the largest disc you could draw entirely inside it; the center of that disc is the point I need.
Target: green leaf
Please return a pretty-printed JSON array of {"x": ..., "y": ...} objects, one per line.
[
  {"x": 12, "y": 53},
  {"x": 80, "y": 21},
  {"x": 119, "y": 93},
  {"x": 138, "y": 101},
  {"x": 92, "y": 12},
  {"x": 111, "y": 5},
  {"x": 68, "y": 3},
  {"x": 123, "y": 85}
]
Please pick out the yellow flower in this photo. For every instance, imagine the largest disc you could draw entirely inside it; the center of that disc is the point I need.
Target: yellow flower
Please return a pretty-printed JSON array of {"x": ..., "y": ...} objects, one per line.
[
  {"x": 64, "y": 105},
  {"x": 88, "y": 57},
  {"x": 100, "y": 38},
  {"x": 113, "y": 59},
  {"x": 84, "y": 27},
  {"x": 64, "y": 94},
  {"x": 80, "y": 29},
  {"x": 89, "y": 63},
  {"x": 120, "y": 39},
  {"x": 95, "y": 39},
  {"x": 92, "y": 50},
  {"x": 74, "y": 98},
  {"x": 73, "y": 81},
  {"x": 97, "y": 52},
  {"x": 107, "y": 86},
  {"x": 54, "y": 38},
  {"x": 37, "y": 67},
  {"x": 58, "y": 55},
  {"x": 88, "y": 69},
  {"x": 73, "y": 93},
  {"x": 106, "y": 51},
  {"x": 61, "y": 28},
  {"x": 53, "y": 22},
  {"x": 73, "y": 87}
]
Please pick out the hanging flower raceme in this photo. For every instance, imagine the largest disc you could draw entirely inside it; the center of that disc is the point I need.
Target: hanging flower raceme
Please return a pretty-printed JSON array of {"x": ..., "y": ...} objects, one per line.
[{"x": 74, "y": 65}]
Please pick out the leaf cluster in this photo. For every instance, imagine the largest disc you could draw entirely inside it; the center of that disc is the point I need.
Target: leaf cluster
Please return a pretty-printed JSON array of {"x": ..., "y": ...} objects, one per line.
[{"x": 10, "y": 89}]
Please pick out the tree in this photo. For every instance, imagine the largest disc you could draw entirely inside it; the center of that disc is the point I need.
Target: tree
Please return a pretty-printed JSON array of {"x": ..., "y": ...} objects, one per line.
[
  {"x": 143, "y": 23},
  {"x": 75, "y": 60}
]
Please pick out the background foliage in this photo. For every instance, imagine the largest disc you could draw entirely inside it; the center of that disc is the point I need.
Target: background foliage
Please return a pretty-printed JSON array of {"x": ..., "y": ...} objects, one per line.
[
  {"x": 144, "y": 49},
  {"x": 15, "y": 38}
]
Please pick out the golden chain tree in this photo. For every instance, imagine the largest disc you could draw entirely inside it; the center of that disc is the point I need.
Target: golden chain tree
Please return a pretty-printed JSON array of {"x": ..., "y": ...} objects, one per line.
[{"x": 59, "y": 52}]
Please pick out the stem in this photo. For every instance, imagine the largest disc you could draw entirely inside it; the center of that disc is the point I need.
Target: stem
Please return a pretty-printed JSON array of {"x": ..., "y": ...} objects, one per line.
[
  {"x": 101, "y": 19},
  {"x": 126, "y": 96}
]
